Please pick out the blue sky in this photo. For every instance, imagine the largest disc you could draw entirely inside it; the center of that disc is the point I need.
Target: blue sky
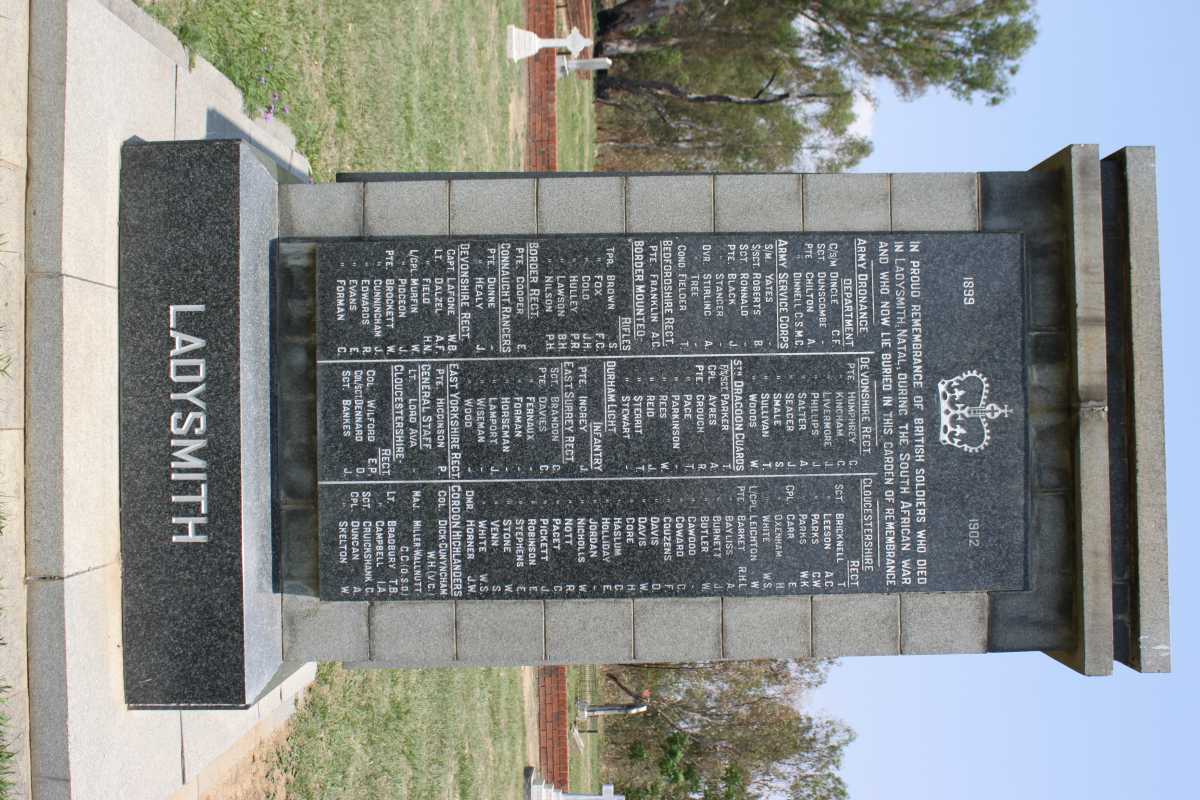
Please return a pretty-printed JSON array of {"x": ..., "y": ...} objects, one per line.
[{"x": 1021, "y": 725}]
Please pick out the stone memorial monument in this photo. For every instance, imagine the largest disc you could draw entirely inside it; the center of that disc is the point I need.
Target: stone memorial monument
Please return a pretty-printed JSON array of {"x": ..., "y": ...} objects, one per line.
[{"x": 441, "y": 419}]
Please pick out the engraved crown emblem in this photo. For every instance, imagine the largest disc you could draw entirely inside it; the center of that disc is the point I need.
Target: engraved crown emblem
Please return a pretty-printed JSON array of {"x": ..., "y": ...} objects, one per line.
[{"x": 966, "y": 411}]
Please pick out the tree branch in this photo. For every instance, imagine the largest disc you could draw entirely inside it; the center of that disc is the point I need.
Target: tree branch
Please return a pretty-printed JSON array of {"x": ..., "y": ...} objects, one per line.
[{"x": 664, "y": 89}]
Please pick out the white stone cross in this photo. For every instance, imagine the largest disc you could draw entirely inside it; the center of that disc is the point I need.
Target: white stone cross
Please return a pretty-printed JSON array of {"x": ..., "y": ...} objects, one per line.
[{"x": 523, "y": 43}]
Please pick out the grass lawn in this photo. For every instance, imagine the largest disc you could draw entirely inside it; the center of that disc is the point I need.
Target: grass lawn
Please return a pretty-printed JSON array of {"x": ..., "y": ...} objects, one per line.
[
  {"x": 398, "y": 734},
  {"x": 576, "y": 125},
  {"x": 397, "y": 85},
  {"x": 371, "y": 84},
  {"x": 584, "y": 683}
]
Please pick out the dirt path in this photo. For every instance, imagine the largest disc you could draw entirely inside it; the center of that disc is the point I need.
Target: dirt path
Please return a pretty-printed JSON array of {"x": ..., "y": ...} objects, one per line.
[
  {"x": 529, "y": 696},
  {"x": 254, "y": 776}
]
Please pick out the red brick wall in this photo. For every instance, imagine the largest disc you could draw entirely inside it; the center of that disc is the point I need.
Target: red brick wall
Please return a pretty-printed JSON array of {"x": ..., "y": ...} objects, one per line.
[
  {"x": 541, "y": 149},
  {"x": 553, "y": 725}
]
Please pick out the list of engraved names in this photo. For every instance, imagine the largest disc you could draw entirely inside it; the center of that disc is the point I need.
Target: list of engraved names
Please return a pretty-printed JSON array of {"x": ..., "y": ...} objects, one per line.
[{"x": 647, "y": 415}]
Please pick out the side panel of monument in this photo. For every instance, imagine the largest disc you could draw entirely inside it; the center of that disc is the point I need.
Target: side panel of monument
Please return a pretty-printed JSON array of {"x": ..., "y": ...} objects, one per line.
[{"x": 201, "y": 621}]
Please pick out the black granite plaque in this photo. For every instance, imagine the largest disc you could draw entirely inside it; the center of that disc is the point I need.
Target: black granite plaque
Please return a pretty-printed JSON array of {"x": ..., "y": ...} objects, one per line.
[
  {"x": 200, "y": 623},
  {"x": 592, "y": 416}
]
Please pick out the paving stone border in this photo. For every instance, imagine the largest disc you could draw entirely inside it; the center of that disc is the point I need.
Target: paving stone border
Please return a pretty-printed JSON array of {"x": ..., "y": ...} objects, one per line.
[{"x": 98, "y": 72}]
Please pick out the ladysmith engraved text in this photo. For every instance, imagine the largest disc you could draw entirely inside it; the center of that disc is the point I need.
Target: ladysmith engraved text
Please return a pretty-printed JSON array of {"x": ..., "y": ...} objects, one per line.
[{"x": 187, "y": 371}]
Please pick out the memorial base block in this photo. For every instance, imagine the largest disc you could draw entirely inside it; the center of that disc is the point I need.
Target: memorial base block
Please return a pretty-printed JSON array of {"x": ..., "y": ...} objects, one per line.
[{"x": 201, "y": 615}]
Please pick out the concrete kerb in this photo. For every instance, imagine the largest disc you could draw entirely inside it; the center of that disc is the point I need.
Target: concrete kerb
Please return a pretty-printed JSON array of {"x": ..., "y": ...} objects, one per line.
[{"x": 146, "y": 27}]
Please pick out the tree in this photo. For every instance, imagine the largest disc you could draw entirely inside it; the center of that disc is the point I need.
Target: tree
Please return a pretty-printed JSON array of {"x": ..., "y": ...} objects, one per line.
[
  {"x": 633, "y": 14},
  {"x": 694, "y": 78},
  {"x": 727, "y": 731},
  {"x": 968, "y": 46}
]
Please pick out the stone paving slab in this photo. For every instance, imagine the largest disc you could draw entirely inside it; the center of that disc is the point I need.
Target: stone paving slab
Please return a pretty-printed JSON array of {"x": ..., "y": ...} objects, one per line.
[
  {"x": 74, "y": 518},
  {"x": 12, "y": 303},
  {"x": 107, "y": 64},
  {"x": 209, "y": 106},
  {"x": 207, "y": 734},
  {"x": 412, "y": 634},
  {"x": 500, "y": 632},
  {"x": 327, "y": 631},
  {"x": 669, "y": 203},
  {"x": 148, "y": 28},
  {"x": 492, "y": 207},
  {"x": 767, "y": 627},
  {"x": 78, "y": 698},
  {"x": 12, "y": 276},
  {"x": 935, "y": 201},
  {"x": 934, "y": 623},
  {"x": 759, "y": 202},
  {"x": 677, "y": 628},
  {"x": 581, "y": 205},
  {"x": 406, "y": 208},
  {"x": 263, "y": 720},
  {"x": 598, "y": 631}
]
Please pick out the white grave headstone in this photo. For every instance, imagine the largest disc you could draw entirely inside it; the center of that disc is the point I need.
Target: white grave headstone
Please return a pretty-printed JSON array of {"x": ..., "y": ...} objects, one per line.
[{"x": 523, "y": 44}]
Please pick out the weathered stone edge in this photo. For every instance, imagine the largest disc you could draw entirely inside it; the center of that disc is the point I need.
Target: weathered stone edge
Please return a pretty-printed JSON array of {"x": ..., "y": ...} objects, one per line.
[
  {"x": 1080, "y": 168},
  {"x": 1152, "y": 625}
]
